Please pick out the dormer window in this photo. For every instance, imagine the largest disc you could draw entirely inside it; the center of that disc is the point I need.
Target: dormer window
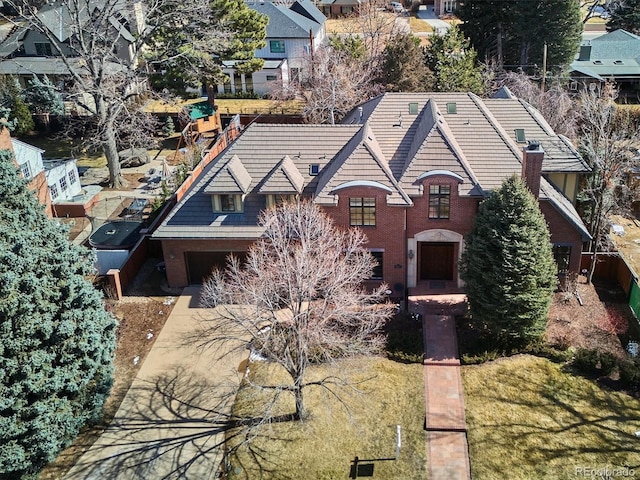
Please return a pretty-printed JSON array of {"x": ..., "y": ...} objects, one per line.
[
  {"x": 228, "y": 203},
  {"x": 280, "y": 199}
]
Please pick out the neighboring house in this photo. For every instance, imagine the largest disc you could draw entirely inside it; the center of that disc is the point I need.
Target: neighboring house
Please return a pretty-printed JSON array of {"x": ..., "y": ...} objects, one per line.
[
  {"x": 441, "y": 7},
  {"x": 339, "y": 8},
  {"x": 293, "y": 32},
  {"x": 410, "y": 169},
  {"x": 612, "y": 56},
  {"x": 26, "y": 51},
  {"x": 56, "y": 181},
  {"x": 29, "y": 160}
]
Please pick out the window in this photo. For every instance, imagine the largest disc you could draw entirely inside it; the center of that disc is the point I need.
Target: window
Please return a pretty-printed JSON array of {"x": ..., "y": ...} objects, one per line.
[
  {"x": 43, "y": 49},
  {"x": 520, "y": 136},
  {"x": 439, "y": 201},
  {"x": 276, "y": 46},
  {"x": 63, "y": 183},
  {"x": 314, "y": 169},
  {"x": 227, "y": 203},
  {"x": 54, "y": 191},
  {"x": 413, "y": 108},
  {"x": 362, "y": 212},
  {"x": 26, "y": 170},
  {"x": 452, "y": 108},
  {"x": 377, "y": 270},
  {"x": 272, "y": 78},
  {"x": 279, "y": 199},
  {"x": 72, "y": 177},
  {"x": 562, "y": 256}
]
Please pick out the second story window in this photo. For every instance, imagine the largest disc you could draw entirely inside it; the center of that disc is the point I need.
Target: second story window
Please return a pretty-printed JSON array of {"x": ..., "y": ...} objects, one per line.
[
  {"x": 279, "y": 199},
  {"x": 276, "y": 46},
  {"x": 227, "y": 203},
  {"x": 72, "y": 177},
  {"x": 362, "y": 212},
  {"x": 54, "y": 191},
  {"x": 439, "y": 196},
  {"x": 26, "y": 171},
  {"x": 63, "y": 183},
  {"x": 377, "y": 270}
]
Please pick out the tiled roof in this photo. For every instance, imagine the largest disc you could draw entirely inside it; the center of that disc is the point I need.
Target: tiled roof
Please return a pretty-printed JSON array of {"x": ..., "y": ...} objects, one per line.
[
  {"x": 285, "y": 178},
  {"x": 290, "y": 21},
  {"x": 391, "y": 142},
  {"x": 231, "y": 177}
]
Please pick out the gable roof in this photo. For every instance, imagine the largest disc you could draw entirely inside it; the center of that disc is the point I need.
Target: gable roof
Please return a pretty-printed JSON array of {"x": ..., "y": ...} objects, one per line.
[
  {"x": 284, "y": 178},
  {"x": 615, "y": 53},
  {"x": 385, "y": 144},
  {"x": 290, "y": 21},
  {"x": 230, "y": 178}
]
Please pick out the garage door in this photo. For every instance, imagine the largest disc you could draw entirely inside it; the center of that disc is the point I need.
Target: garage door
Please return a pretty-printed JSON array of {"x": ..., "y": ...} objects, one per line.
[{"x": 201, "y": 264}]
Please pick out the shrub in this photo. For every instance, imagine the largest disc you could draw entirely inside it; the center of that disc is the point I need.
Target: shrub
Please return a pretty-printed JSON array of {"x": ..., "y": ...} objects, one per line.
[
  {"x": 594, "y": 362},
  {"x": 629, "y": 372}
]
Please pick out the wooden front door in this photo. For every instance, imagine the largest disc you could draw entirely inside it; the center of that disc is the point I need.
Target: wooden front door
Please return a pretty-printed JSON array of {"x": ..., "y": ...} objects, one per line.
[{"x": 436, "y": 261}]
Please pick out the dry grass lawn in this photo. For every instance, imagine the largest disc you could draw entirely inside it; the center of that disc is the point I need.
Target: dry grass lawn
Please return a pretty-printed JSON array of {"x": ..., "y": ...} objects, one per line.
[
  {"x": 527, "y": 418},
  {"x": 325, "y": 446},
  {"x": 418, "y": 25}
]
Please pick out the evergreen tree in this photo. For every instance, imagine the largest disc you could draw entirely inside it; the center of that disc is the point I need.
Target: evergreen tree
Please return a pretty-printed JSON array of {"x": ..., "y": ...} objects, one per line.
[
  {"x": 12, "y": 98},
  {"x": 625, "y": 14},
  {"x": 43, "y": 97},
  {"x": 508, "y": 265},
  {"x": 403, "y": 68},
  {"x": 57, "y": 339},
  {"x": 514, "y": 33},
  {"x": 453, "y": 62}
]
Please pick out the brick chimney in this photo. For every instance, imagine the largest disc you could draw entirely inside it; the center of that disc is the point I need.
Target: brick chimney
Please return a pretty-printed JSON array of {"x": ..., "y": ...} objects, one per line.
[{"x": 532, "y": 156}]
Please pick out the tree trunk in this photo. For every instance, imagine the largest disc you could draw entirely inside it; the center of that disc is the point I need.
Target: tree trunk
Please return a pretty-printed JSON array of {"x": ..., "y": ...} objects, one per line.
[
  {"x": 301, "y": 412},
  {"x": 113, "y": 161},
  {"x": 524, "y": 54},
  {"x": 500, "y": 58}
]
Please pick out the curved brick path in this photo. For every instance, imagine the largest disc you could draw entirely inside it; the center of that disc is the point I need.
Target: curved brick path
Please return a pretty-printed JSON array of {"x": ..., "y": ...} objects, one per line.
[{"x": 447, "y": 451}]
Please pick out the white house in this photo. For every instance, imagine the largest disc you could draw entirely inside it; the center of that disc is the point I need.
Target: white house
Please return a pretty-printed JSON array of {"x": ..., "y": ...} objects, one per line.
[{"x": 293, "y": 32}]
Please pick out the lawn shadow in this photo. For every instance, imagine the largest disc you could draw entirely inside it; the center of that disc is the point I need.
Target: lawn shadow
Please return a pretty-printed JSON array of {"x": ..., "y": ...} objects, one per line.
[{"x": 177, "y": 426}]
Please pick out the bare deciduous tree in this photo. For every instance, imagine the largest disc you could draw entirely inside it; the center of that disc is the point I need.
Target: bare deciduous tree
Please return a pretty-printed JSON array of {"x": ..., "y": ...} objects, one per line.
[
  {"x": 298, "y": 298},
  {"x": 607, "y": 142},
  {"x": 333, "y": 84}
]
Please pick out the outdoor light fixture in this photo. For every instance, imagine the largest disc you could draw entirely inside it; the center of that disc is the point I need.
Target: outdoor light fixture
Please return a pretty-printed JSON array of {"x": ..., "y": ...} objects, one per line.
[{"x": 410, "y": 254}]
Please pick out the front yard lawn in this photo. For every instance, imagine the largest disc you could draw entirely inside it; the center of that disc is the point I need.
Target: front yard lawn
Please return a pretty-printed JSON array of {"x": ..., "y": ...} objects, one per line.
[
  {"x": 324, "y": 446},
  {"x": 527, "y": 418}
]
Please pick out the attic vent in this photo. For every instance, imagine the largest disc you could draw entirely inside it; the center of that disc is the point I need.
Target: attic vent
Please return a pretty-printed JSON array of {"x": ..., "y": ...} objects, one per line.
[
  {"x": 314, "y": 169},
  {"x": 413, "y": 108},
  {"x": 452, "y": 107},
  {"x": 520, "y": 136},
  {"x": 597, "y": 62},
  {"x": 619, "y": 62}
]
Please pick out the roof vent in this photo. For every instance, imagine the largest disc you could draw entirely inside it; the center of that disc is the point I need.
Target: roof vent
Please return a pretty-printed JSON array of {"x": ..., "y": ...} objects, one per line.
[
  {"x": 399, "y": 124},
  {"x": 619, "y": 62},
  {"x": 597, "y": 62},
  {"x": 360, "y": 114}
]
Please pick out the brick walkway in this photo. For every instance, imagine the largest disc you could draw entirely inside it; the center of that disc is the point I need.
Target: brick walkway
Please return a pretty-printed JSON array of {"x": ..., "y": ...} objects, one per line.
[{"x": 447, "y": 452}]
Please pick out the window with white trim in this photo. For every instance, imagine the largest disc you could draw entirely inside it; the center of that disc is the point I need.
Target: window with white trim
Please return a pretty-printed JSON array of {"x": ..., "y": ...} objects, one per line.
[
  {"x": 63, "y": 183},
  {"x": 280, "y": 199},
  {"x": 227, "y": 203},
  {"x": 26, "y": 170},
  {"x": 53, "y": 189},
  {"x": 73, "y": 179}
]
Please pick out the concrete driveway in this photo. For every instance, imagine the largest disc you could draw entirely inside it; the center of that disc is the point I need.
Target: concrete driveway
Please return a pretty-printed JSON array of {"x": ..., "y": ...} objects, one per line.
[
  {"x": 425, "y": 13},
  {"x": 171, "y": 423}
]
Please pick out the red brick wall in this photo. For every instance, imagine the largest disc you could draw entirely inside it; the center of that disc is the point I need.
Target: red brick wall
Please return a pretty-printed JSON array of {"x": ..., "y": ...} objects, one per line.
[
  {"x": 388, "y": 234},
  {"x": 461, "y": 215},
  {"x": 563, "y": 232},
  {"x": 175, "y": 258}
]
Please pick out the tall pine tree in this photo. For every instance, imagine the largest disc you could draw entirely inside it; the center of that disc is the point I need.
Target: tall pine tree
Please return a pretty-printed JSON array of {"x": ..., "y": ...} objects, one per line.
[
  {"x": 513, "y": 34},
  {"x": 508, "y": 265},
  {"x": 56, "y": 338},
  {"x": 625, "y": 15}
]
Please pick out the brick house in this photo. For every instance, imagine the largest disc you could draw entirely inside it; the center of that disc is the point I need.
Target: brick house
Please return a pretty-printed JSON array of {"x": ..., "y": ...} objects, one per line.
[{"x": 408, "y": 168}]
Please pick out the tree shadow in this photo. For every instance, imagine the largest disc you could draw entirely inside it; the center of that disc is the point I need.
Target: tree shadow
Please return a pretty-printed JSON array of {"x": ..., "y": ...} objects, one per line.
[
  {"x": 568, "y": 423},
  {"x": 179, "y": 425}
]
